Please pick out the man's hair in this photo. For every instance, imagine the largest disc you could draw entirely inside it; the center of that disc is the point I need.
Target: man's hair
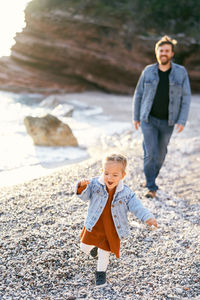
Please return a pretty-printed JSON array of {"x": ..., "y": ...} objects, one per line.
[
  {"x": 118, "y": 158},
  {"x": 165, "y": 40}
]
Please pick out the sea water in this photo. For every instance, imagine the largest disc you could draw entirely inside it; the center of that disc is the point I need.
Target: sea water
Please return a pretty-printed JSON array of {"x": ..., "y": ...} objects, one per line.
[{"x": 20, "y": 159}]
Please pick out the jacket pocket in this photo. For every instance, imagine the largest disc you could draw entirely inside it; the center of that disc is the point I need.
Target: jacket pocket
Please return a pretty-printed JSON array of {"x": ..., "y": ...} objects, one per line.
[{"x": 175, "y": 90}]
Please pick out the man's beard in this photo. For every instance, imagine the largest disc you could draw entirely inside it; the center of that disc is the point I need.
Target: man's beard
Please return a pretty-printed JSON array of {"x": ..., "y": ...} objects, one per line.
[{"x": 164, "y": 62}]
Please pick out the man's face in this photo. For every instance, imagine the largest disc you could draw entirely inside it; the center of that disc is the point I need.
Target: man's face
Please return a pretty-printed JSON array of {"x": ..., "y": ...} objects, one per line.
[{"x": 164, "y": 54}]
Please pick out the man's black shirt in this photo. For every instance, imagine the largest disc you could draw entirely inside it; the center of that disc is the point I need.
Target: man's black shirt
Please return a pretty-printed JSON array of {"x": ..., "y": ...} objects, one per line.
[{"x": 161, "y": 101}]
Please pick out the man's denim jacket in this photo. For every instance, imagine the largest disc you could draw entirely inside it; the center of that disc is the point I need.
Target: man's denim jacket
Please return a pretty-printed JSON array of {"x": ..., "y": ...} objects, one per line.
[
  {"x": 124, "y": 200},
  {"x": 179, "y": 94}
]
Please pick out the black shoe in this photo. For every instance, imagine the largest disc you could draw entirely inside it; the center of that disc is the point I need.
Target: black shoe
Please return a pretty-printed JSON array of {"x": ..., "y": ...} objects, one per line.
[
  {"x": 100, "y": 279},
  {"x": 151, "y": 194},
  {"x": 93, "y": 252}
]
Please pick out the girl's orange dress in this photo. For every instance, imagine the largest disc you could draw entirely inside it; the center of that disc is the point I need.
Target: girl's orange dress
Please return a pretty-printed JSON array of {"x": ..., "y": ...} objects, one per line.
[{"x": 103, "y": 234}]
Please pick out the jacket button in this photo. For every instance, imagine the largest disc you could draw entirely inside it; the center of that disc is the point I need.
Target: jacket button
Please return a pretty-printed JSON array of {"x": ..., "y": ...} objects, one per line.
[
  {"x": 118, "y": 227},
  {"x": 113, "y": 205},
  {"x": 120, "y": 202},
  {"x": 115, "y": 216}
]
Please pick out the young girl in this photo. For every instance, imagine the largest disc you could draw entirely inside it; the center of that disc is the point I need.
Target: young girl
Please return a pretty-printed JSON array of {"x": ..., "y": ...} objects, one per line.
[{"x": 106, "y": 223}]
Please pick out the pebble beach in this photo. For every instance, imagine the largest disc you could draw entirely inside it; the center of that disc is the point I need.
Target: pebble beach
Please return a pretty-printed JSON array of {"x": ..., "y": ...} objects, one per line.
[{"x": 41, "y": 221}]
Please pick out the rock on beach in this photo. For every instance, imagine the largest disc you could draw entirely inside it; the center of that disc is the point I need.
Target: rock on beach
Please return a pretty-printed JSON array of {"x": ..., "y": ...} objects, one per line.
[
  {"x": 41, "y": 223},
  {"x": 49, "y": 131}
]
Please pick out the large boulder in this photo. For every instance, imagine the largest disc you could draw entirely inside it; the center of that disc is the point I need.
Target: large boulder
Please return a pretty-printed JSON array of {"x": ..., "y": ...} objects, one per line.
[{"x": 49, "y": 131}]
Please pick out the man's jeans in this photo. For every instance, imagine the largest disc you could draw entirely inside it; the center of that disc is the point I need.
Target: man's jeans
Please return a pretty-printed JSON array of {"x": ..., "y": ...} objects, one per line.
[{"x": 157, "y": 134}]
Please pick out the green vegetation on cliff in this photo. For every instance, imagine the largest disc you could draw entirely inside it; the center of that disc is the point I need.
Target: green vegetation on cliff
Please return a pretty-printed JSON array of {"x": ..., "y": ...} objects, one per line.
[{"x": 141, "y": 16}]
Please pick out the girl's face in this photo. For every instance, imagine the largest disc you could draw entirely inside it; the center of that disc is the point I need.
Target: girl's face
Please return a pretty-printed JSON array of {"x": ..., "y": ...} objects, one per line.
[{"x": 113, "y": 173}]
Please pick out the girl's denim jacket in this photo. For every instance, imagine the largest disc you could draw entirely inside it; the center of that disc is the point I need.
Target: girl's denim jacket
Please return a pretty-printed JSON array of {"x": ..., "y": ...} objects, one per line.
[
  {"x": 124, "y": 200},
  {"x": 179, "y": 94}
]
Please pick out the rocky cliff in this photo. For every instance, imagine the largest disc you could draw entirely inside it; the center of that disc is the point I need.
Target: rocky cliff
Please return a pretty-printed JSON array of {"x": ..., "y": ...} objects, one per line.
[{"x": 62, "y": 49}]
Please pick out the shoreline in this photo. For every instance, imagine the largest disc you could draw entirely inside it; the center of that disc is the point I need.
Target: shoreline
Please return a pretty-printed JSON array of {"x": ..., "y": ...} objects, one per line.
[
  {"x": 120, "y": 113},
  {"x": 25, "y": 174},
  {"x": 103, "y": 103}
]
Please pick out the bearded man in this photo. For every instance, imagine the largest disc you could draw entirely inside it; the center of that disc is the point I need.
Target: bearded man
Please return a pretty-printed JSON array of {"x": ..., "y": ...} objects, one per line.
[{"x": 161, "y": 100}]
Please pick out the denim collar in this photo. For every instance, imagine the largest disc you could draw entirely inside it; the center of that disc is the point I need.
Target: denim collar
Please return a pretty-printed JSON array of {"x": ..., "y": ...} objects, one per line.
[
  {"x": 156, "y": 65},
  {"x": 119, "y": 187},
  {"x": 155, "y": 71}
]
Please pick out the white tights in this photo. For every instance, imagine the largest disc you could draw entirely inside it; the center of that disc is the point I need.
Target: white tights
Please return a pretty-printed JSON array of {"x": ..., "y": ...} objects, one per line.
[{"x": 103, "y": 256}]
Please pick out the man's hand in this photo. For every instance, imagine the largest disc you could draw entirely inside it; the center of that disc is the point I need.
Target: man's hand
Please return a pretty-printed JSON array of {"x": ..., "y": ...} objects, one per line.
[
  {"x": 136, "y": 124},
  {"x": 179, "y": 127},
  {"x": 152, "y": 223}
]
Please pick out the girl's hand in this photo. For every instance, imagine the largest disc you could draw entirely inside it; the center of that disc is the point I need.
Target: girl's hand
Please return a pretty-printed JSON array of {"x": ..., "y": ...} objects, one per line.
[
  {"x": 82, "y": 186},
  {"x": 83, "y": 182},
  {"x": 152, "y": 223}
]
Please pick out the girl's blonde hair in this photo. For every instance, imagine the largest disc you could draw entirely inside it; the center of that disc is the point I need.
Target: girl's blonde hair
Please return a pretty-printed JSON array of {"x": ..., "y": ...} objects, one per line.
[{"x": 118, "y": 158}]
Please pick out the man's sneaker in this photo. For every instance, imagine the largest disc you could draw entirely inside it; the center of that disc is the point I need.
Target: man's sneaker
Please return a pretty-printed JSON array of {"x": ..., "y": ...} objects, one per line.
[
  {"x": 100, "y": 279},
  {"x": 151, "y": 194},
  {"x": 93, "y": 252}
]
